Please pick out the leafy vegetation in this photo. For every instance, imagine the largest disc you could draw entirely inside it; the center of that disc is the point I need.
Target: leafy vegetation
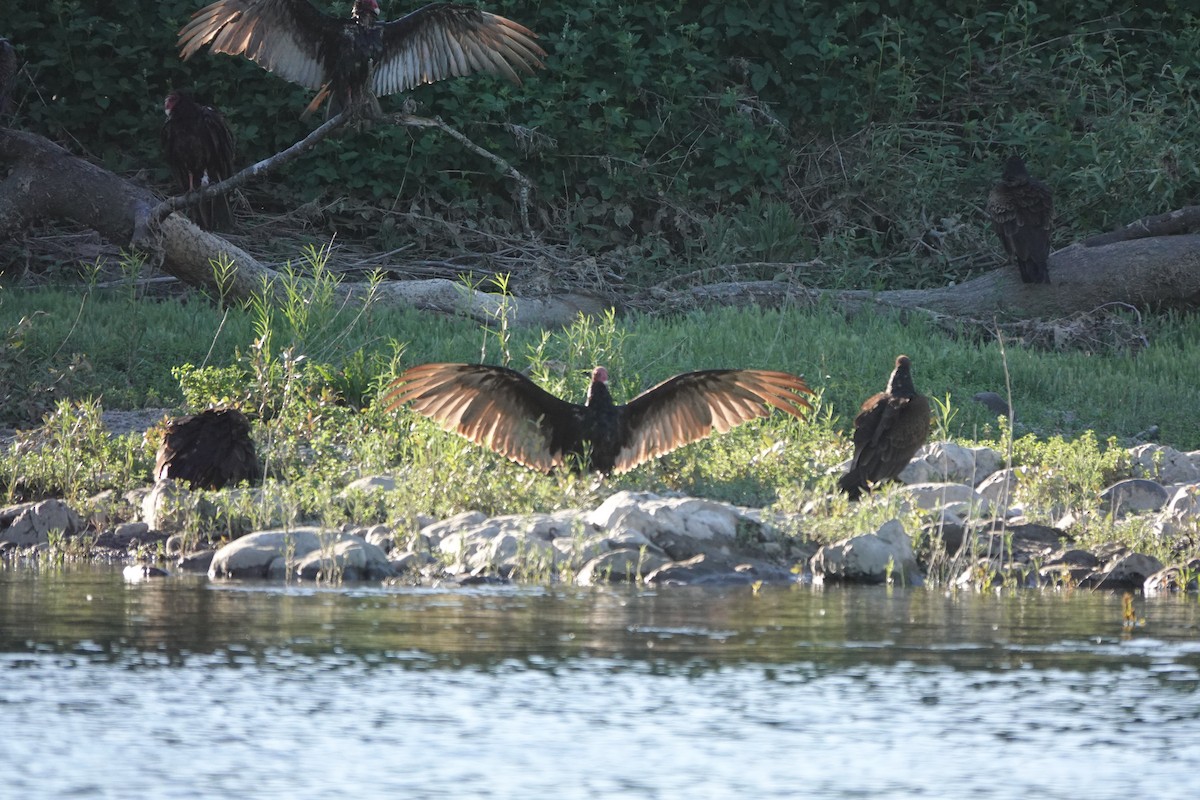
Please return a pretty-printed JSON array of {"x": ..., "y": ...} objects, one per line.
[{"x": 696, "y": 134}]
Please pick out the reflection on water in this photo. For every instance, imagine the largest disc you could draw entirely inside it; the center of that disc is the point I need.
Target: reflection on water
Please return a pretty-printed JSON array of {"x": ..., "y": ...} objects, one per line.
[{"x": 183, "y": 688}]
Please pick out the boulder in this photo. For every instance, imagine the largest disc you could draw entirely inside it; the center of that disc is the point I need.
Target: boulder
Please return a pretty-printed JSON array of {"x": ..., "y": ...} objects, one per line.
[
  {"x": 349, "y": 559},
  {"x": 682, "y": 527},
  {"x": 1163, "y": 464},
  {"x": 264, "y": 554},
  {"x": 1133, "y": 495},
  {"x": 1175, "y": 578},
  {"x": 618, "y": 566},
  {"x": 1127, "y": 572},
  {"x": 947, "y": 462},
  {"x": 1185, "y": 502},
  {"x": 30, "y": 524},
  {"x": 936, "y": 496},
  {"x": 870, "y": 558}
]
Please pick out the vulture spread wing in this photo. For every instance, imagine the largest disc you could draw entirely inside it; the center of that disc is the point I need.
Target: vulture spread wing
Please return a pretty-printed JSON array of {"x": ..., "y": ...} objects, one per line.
[
  {"x": 446, "y": 40},
  {"x": 208, "y": 450},
  {"x": 1021, "y": 209},
  {"x": 889, "y": 429},
  {"x": 690, "y": 407},
  {"x": 291, "y": 38},
  {"x": 494, "y": 407}
]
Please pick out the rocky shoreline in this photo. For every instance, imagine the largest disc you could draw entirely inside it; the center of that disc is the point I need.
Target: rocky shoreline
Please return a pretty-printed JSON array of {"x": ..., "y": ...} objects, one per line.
[{"x": 961, "y": 531}]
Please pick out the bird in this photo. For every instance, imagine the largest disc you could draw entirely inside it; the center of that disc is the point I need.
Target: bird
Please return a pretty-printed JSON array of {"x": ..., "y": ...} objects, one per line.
[
  {"x": 8, "y": 72},
  {"x": 199, "y": 148},
  {"x": 354, "y": 61},
  {"x": 1021, "y": 207},
  {"x": 890, "y": 428},
  {"x": 501, "y": 409},
  {"x": 209, "y": 450}
]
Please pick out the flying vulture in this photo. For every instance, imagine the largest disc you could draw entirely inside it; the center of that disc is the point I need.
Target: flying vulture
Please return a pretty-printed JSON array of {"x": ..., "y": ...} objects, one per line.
[
  {"x": 890, "y": 428},
  {"x": 199, "y": 148},
  {"x": 208, "y": 450},
  {"x": 503, "y": 410},
  {"x": 354, "y": 61},
  {"x": 1021, "y": 208}
]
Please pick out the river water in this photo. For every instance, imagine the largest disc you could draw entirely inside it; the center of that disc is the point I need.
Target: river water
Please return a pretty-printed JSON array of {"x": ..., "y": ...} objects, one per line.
[{"x": 185, "y": 688}]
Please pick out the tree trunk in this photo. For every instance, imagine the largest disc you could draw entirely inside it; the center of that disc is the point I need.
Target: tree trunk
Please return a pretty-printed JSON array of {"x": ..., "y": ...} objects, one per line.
[{"x": 44, "y": 181}]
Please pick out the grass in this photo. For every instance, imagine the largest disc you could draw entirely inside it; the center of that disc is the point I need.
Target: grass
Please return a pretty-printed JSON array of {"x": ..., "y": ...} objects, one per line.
[{"x": 321, "y": 422}]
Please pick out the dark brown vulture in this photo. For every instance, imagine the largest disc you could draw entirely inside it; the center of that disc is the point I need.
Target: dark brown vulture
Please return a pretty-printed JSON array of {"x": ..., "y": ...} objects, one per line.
[
  {"x": 208, "y": 450},
  {"x": 889, "y": 429},
  {"x": 1021, "y": 208},
  {"x": 354, "y": 61},
  {"x": 8, "y": 72},
  {"x": 504, "y": 411},
  {"x": 199, "y": 148}
]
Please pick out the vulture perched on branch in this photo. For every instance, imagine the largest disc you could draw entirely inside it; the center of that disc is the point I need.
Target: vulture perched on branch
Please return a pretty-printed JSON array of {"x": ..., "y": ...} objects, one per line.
[
  {"x": 1020, "y": 207},
  {"x": 354, "y": 61},
  {"x": 209, "y": 450},
  {"x": 888, "y": 431},
  {"x": 503, "y": 410},
  {"x": 199, "y": 148}
]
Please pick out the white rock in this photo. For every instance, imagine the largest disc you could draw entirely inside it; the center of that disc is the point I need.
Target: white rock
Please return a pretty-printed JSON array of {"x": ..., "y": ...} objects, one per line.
[
  {"x": 1000, "y": 488},
  {"x": 1185, "y": 502},
  {"x": 1164, "y": 464},
  {"x": 264, "y": 553},
  {"x": 949, "y": 462},
  {"x": 349, "y": 558},
  {"x": 931, "y": 496},
  {"x": 32, "y": 523},
  {"x": 868, "y": 558}
]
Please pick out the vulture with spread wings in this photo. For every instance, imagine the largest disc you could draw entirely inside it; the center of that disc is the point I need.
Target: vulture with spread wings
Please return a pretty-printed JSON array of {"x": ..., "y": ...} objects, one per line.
[
  {"x": 354, "y": 61},
  {"x": 504, "y": 411}
]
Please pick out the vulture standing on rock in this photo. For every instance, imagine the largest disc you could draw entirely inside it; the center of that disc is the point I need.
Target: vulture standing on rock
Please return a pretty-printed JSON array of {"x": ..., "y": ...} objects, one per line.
[
  {"x": 208, "y": 450},
  {"x": 1021, "y": 207},
  {"x": 353, "y": 61},
  {"x": 888, "y": 431},
  {"x": 503, "y": 410},
  {"x": 199, "y": 148}
]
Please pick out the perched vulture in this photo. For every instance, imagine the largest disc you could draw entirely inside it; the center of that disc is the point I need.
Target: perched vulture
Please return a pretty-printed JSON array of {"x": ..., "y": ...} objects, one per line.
[
  {"x": 354, "y": 61},
  {"x": 503, "y": 410},
  {"x": 889, "y": 429},
  {"x": 199, "y": 148},
  {"x": 1020, "y": 207},
  {"x": 8, "y": 72},
  {"x": 208, "y": 450}
]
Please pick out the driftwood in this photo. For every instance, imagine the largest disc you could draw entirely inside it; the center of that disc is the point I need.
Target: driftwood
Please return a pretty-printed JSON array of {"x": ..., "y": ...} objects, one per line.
[{"x": 44, "y": 181}]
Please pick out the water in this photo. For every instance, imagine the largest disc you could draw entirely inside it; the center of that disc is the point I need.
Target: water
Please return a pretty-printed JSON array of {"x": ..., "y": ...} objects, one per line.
[{"x": 188, "y": 689}]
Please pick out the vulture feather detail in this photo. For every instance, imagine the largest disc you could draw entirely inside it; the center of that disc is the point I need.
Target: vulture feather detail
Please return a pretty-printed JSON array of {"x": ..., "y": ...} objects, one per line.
[
  {"x": 502, "y": 410},
  {"x": 354, "y": 61},
  {"x": 208, "y": 450}
]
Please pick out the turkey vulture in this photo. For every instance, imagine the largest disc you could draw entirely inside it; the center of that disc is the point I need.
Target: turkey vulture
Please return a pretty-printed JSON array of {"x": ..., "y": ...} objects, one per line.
[
  {"x": 889, "y": 429},
  {"x": 8, "y": 72},
  {"x": 199, "y": 148},
  {"x": 353, "y": 61},
  {"x": 1020, "y": 207},
  {"x": 503, "y": 410},
  {"x": 208, "y": 450}
]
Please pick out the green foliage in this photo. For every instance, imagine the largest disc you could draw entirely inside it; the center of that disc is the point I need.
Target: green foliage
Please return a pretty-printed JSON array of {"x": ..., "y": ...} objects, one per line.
[{"x": 864, "y": 133}]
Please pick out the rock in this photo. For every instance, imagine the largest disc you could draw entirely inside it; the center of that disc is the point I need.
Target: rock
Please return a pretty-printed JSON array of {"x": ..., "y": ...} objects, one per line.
[
  {"x": 1162, "y": 463},
  {"x": 995, "y": 403},
  {"x": 127, "y": 534},
  {"x": 437, "y": 531},
  {"x": 870, "y": 558},
  {"x": 701, "y": 570},
  {"x": 508, "y": 543},
  {"x": 198, "y": 561},
  {"x": 264, "y": 554},
  {"x": 411, "y": 562},
  {"x": 1185, "y": 502},
  {"x": 1133, "y": 495},
  {"x": 370, "y": 483},
  {"x": 1126, "y": 572},
  {"x": 618, "y": 566},
  {"x": 349, "y": 559},
  {"x": 931, "y": 496},
  {"x": 946, "y": 462},
  {"x": 1175, "y": 578},
  {"x": 33, "y": 523},
  {"x": 1000, "y": 488},
  {"x": 1069, "y": 567},
  {"x": 682, "y": 527},
  {"x": 140, "y": 572}
]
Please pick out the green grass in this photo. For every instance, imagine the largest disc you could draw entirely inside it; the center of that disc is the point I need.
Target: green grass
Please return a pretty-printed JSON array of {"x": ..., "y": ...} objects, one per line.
[{"x": 315, "y": 384}]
